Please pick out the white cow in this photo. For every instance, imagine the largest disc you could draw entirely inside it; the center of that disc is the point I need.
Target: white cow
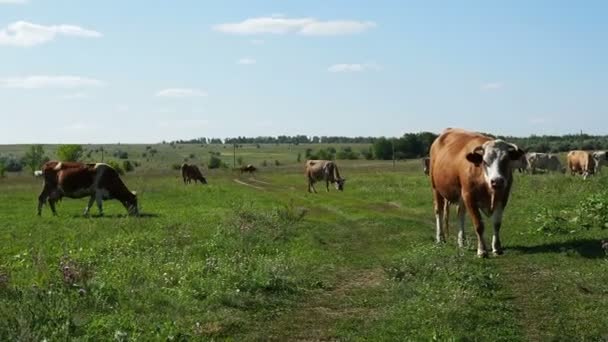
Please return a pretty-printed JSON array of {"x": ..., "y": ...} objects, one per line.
[
  {"x": 600, "y": 158},
  {"x": 543, "y": 161}
]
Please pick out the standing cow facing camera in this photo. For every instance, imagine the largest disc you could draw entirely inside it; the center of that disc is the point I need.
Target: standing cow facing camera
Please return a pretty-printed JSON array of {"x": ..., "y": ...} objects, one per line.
[{"x": 476, "y": 172}]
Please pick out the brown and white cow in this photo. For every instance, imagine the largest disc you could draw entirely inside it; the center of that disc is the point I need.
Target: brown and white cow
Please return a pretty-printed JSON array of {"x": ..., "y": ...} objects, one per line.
[
  {"x": 543, "y": 161},
  {"x": 581, "y": 162},
  {"x": 475, "y": 172},
  {"x": 98, "y": 181},
  {"x": 248, "y": 168},
  {"x": 327, "y": 170},
  {"x": 520, "y": 164},
  {"x": 426, "y": 161},
  {"x": 192, "y": 172}
]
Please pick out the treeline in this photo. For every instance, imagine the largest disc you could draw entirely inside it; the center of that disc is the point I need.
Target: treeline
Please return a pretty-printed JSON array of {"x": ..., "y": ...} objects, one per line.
[
  {"x": 560, "y": 143},
  {"x": 281, "y": 139}
]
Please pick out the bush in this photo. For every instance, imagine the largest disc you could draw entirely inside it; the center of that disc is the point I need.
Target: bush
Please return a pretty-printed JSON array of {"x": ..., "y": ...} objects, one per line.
[
  {"x": 2, "y": 169},
  {"x": 121, "y": 155},
  {"x": 215, "y": 162},
  {"x": 299, "y": 157},
  {"x": 239, "y": 160},
  {"x": 264, "y": 163},
  {"x": 127, "y": 166},
  {"x": 347, "y": 153},
  {"x": 176, "y": 166},
  {"x": 593, "y": 212},
  {"x": 368, "y": 154},
  {"x": 69, "y": 152},
  {"x": 550, "y": 222},
  {"x": 34, "y": 157},
  {"x": 277, "y": 163},
  {"x": 11, "y": 163}
]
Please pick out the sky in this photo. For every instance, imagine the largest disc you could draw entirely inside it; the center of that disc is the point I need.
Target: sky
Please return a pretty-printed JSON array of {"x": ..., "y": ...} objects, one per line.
[{"x": 143, "y": 71}]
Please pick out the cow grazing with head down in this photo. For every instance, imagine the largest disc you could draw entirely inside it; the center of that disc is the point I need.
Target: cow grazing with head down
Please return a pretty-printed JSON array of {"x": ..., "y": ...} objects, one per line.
[
  {"x": 98, "y": 181},
  {"x": 248, "y": 168},
  {"x": 426, "y": 162},
  {"x": 323, "y": 170},
  {"x": 475, "y": 172},
  {"x": 601, "y": 159},
  {"x": 581, "y": 162},
  {"x": 544, "y": 162},
  {"x": 192, "y": 172}
]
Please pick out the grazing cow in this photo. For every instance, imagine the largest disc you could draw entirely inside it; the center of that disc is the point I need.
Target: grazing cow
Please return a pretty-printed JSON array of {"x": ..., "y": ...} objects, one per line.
[
  {"x": 192, "y": 172},
  {"x": 601, "y": 159},
  {"x": 543, "y": 161},
  {"x": 581, "y": 162},
  {"x": 76, "y": 180},
  {"x": 327, "y": 170},
  {"x": 248, "y": 168},
  {"x": 520, "y": 164},
  {"x": 426, "y": 161},
  {"x": 473, "y": 171}
]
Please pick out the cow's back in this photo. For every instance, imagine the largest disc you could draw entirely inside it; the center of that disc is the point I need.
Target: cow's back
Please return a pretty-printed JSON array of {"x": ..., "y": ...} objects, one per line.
[
  {"x": 315, "y": 168},
  {"x": 449, "y": 167},
  {"x": 580, "y": 161}
]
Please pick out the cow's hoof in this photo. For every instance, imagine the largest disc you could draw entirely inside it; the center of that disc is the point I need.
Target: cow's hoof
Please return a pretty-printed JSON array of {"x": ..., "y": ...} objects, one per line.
[
  {"x": 498, "y": 252},
  {"x": 482, "y": 254}
]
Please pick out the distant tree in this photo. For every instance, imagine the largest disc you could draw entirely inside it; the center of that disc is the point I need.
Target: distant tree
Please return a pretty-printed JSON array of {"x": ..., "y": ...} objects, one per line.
[
  {"x": 277, "y": 163},
  {"x": 116, "y": 167},
  {"x": 299, "y": 159},
  {"x": 2, "y": 169},
  {"x": 34, "y": 157},
  {"x": 127, "y": 166},
  {"x": 215, "y": 162},
  {"x": 239, "y": 160},
  {"x": 383, "y": 149},
  {"x": 71, "y": 152}
]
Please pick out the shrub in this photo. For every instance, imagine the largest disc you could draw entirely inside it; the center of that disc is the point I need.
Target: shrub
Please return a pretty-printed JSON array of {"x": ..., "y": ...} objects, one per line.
[
  {"x": 299, "y": 157},
  {"x": 550, "y": 222},
  {"x": 215, "y": 162},
  {"x": 176, "y": 166},
  {"x": 264, "y": 163},
  {"x": 277, "y": 163},
  {"x": 239, "y": 160},
  {"x": 121, "y": 154},
  {"x": 69, "y": 152},
  {"x": 127, "y": 166},
  {"x": 34, "y": 157},
  {"x": 593, "y": 212},
  {"x": 347, "y": 153},
  {"x": 2, "y": 169}
]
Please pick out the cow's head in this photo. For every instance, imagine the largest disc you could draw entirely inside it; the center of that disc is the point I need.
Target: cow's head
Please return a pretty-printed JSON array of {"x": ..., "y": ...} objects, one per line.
[
  {"x": 495, "y": 157},
  {"x": 130, "y": 204},
  {"x": 203, "y": 180},
  {"x": 340, "y": 184}
]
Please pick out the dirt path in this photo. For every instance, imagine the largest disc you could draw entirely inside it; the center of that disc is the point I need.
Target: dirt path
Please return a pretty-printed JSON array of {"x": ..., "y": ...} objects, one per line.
[{"x": 247, "y": 184}]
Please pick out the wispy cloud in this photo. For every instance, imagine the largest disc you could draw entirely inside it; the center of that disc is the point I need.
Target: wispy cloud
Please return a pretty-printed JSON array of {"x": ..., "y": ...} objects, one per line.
[
  {"x": 13, "y": 2},
  {"x": 246, "y": 61},
  {"x": 75, "y": 96},
  {"x": 37, "y": 82},
  {"x": 25, "y": 34},
  {"x": 302, "y": 26},
  {"x": 492, "y": 86},
  {"x": 356, "y": 67},
  {"x": 181, "y": 93}
]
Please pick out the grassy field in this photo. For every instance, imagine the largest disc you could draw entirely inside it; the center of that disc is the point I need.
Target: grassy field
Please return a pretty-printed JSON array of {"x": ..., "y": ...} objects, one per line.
[{"x": 261, "y": 259}]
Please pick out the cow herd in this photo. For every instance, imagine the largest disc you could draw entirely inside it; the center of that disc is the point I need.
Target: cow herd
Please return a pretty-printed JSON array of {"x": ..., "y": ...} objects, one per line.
[{"x": 470, "y": 170}]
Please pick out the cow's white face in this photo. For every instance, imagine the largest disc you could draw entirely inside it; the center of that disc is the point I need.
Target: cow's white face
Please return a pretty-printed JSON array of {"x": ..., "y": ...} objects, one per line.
[
  {"x": 495, "y": 157},
  {"x": 340, "y": 184}
]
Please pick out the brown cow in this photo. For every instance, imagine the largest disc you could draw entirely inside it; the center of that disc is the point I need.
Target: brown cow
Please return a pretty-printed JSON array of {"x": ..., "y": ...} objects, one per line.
[
  {"x": 475, "y": 172},
  {"x": 248, "y": 168},
  {"x": 327, "y": 170},
  {"x": 76, "y": 180},
  {"x": 426, "y": 162},
  {"x": 192, "y": 172},
  {"x": 581, "y": 162}
]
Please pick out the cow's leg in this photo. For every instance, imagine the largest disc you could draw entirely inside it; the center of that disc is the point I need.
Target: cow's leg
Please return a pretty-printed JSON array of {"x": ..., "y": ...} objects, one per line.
[
  {"x": 42, "y": 199},
  {"x": 439, "y": 208},
  {"x": 311, "y": 185},
  {"x": 446, "y": 218},
  {"x": 99, "y": 200},
  {"x": 497, "y": 222},
  {"x": 52, "y": 202},
  {"x": 478, "y": 224},
  {"x": 89, "y": 205},
  {"x": 327, "y": 185},
  {"x": 461, "y": 235}
]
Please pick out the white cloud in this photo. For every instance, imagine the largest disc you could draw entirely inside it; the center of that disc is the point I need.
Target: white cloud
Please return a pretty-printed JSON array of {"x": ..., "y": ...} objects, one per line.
[
  {"x": 303, "y": 26},
  {"x": 13, "y": 2},
  {"x": 25, "y": 34},
  {"x": 37, "y": 82},
  {"x": 246, "y": 61},
  {"x": 356, "y": 67},
  {"x": 181, "y": 93},
  {"x": 492, "y": 86}
]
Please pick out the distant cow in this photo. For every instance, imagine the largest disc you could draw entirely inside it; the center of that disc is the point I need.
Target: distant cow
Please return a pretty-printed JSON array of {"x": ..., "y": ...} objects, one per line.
[
  {"x": 248, "y": 168},
  {"x": 327, "y": 170},
  {"x": 543, "y": 161},
  {"x": 473, "y": 171},
  {"x": 581, "y": 162},
  {"x": 426, "y": 161},
  {"x": 600, "y": 158},
  {"x": 76, "y": 180},
  {"x": 192, "y": 172},
  {"x": 520, "y": 164}
]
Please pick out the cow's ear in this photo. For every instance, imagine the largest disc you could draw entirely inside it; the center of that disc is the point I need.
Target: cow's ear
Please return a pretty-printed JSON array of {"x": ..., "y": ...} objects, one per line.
[
  {"x": 515, "y": 152},
  {"x": 476, "y": 157}
]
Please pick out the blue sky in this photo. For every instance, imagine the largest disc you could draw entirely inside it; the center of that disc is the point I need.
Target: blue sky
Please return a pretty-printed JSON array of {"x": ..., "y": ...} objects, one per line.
[{"x": 146, "y": 71}]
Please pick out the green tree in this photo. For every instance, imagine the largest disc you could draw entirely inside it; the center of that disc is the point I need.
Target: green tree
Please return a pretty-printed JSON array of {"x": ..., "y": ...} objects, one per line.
[
  {"x": 70, "y": 152},
  {"x": 383, "y": 149},
  {"x": 34, "y": 157}
]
